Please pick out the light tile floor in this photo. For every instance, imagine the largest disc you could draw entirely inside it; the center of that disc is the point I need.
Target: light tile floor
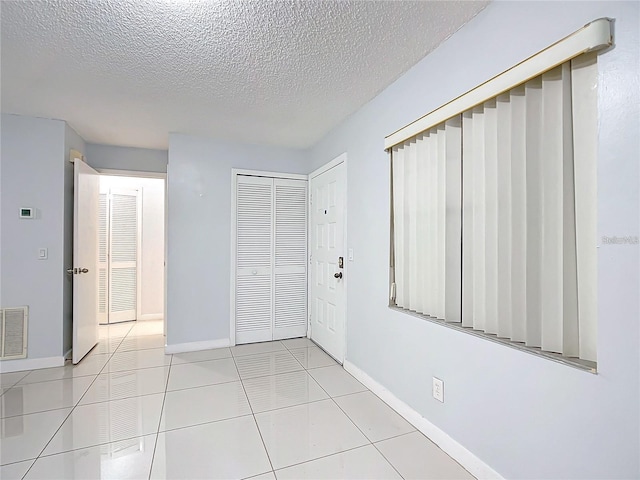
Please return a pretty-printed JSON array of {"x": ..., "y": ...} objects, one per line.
[{"x": 282, "y": 410}]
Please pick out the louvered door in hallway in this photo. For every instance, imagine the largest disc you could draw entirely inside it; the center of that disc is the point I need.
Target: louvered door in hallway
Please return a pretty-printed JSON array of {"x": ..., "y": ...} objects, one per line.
[{"x": 270, "y": 252}]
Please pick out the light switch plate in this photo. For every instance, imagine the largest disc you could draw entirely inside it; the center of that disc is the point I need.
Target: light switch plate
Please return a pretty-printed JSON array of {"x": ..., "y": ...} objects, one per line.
[
  {"x": 350, "y": 253},
  {"x": 438, "y": 389},
  {"x": 43, "y": 253}
]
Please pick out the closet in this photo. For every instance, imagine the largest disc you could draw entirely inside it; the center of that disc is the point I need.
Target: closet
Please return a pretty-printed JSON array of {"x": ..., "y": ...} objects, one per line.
[{"x": 269, "y": 300}]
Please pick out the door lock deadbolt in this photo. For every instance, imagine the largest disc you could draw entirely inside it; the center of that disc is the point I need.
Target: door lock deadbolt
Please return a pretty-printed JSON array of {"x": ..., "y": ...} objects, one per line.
[{"x": 340, "y": 262}]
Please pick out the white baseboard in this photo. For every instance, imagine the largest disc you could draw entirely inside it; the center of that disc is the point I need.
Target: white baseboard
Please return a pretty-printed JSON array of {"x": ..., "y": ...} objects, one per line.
[
  {"x": 196, "y": 346},
  {"x": 464, "y": 457},
  {"x": 67, "y": 355},
  {"x": 150, "y": 316},
  {"x": 22, "y": 364}
]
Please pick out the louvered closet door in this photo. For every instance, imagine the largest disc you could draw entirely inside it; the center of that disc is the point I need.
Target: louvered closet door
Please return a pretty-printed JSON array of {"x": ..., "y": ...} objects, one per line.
[
  {"x": 254, "y": 258},
  {"x": 103, "y": 257},
  {"x": 123, "y": 268},
  {"x": 290, "y": 259}
]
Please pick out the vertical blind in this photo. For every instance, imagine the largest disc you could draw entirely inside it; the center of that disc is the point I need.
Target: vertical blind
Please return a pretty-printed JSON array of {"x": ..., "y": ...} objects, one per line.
[{"x": 494, "y": 215}]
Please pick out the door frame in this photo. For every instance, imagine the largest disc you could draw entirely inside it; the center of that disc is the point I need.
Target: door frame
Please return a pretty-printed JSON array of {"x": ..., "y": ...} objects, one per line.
[
  {"x": 157, "y": 175},
  {"x": 342, "y": 158},
  {"x": 235, "y": 172}
]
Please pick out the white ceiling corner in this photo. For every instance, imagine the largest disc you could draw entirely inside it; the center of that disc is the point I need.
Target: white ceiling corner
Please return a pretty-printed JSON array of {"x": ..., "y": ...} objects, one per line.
[{"x": 128, "y": 72}]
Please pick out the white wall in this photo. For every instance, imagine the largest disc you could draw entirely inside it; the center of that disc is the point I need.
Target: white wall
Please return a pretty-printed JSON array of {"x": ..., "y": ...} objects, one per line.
[
  {"x": 525, "y": 416},
  {"x": 126, "y": 158},
  {"x": 199, "y": 248},
  {"x": 152, "y": 254},
  {"x": 33, "y": 174}
]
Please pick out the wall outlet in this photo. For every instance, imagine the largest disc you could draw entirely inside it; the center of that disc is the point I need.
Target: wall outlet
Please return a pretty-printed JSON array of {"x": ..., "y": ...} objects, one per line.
[{"x": 438, "y": 389}]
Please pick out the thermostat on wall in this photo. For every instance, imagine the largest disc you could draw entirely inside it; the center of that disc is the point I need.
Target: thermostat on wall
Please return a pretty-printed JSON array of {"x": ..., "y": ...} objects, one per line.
[{"x": 26, "y": 212}]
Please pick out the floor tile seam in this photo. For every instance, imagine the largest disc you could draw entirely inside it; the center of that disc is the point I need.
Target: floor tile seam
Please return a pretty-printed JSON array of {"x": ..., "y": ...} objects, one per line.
[
  {"x": 38, "y": 412},
  {"x": 415, "y": 430},
  {"x": 386, "y": 459},
  {"x": 351, "y": 420},
  {"x": 200, "y": 424},
  {"x": 202, "y": 361},
  {"x": 276, "y": 374},
  {"x": 46, "y": 381},
  {"x": 19, "y": 461},
  {"x": 265, "y": 353},
  {"x": 138, "y": 349},
  {"x": 70, "y": 413},
  {"x": 253, "y": 415},
  {"x": 290, "y": 406},
  {"x": 93, "y": 445},
  {"x": 205, "y": 385},
  {"x": 164, "y": 398},
  {"x": 120, "y": 398},
  {"x": 19, "y": 380},
  {"x": 273, "y": 374},
  {"x": 283, "y": 349},
  {"x": 322, "y": 456},
  {"x": 132, "y": 369},
  {"x": 258, "y": 475}
]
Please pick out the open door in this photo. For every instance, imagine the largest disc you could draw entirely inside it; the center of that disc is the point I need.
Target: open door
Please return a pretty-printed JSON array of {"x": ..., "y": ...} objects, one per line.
[{"x": 86, "y": 189}]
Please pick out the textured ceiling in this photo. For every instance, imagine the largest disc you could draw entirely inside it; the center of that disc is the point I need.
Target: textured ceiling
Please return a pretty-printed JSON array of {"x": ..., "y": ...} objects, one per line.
[{"x": 128, "y": 72}]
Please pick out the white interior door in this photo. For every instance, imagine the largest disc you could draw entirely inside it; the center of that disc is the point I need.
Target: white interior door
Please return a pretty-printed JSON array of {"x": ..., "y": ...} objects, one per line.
[
  {"x": 124, "y": 237},
  {"x": 85, "y": 255},
  {"x": 327, "y": 291}
]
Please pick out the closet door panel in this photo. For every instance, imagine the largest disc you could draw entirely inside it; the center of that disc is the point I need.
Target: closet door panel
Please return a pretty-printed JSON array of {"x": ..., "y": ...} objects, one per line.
[
  {"x": 290, "y": 282},
  {"x": 123, "y": 255},
  {"x": 254, "y": 259}
]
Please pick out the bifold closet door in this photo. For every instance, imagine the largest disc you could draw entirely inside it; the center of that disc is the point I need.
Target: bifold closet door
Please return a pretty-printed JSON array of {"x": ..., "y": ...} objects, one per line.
[
  {"x": 123, "y": 255},
  {"x": 271, "y": 252},
  {"x": 254, "y": 258},
  {"x": 103, "y": 257},
  {"x": 290, "y": 261}
]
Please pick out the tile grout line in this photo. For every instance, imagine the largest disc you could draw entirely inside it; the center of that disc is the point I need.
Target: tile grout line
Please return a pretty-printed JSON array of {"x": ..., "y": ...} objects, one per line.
[
  {"x": 354, "y": 423},
  {"x": 164, "y": 398},
  {"x": 255, "y": 421},
  {"x": 72, "y": 408}
]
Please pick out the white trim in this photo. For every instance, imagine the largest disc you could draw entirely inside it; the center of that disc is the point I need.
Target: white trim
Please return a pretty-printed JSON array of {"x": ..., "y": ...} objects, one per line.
[
  {"x": 196, "y": 346},
  {"x": 593, "y": 36},
  {"x": 260, "y": 173},
  {"x": 455, "y": 450},
  {"x": 68, "y": 353},
  {"x": 342, "y": 158},
  {"x": 131, "y": 173},
  {"x": 234, "y": 253},
  {"x": 7, "y": 366},
  {"x": 150, "y": 316}
]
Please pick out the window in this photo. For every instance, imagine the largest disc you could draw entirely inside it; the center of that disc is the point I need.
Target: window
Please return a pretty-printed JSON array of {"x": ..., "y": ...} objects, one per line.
[{"x": 493, "y": 226}]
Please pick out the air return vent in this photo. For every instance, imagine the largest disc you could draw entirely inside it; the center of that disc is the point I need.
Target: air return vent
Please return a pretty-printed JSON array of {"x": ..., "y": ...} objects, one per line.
[{"x": 13, "y": 332}]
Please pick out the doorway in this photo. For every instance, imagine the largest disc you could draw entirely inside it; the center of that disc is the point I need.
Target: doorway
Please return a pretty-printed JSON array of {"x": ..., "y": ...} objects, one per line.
[
  {"x": 328, "y": 272},
  {"x": 131, "y": 248}
]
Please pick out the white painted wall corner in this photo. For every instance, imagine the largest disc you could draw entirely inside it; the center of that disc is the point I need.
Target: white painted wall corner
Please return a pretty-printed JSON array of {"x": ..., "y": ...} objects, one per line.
[{"x": 459, "y": 453}]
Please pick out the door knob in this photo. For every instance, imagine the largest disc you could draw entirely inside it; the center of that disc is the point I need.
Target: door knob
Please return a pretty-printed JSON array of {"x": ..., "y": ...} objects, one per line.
[
  {"x": 338, "y": 275},
  {"x": 71, "y": 271},
  {"x": 83, "y": 270}
]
